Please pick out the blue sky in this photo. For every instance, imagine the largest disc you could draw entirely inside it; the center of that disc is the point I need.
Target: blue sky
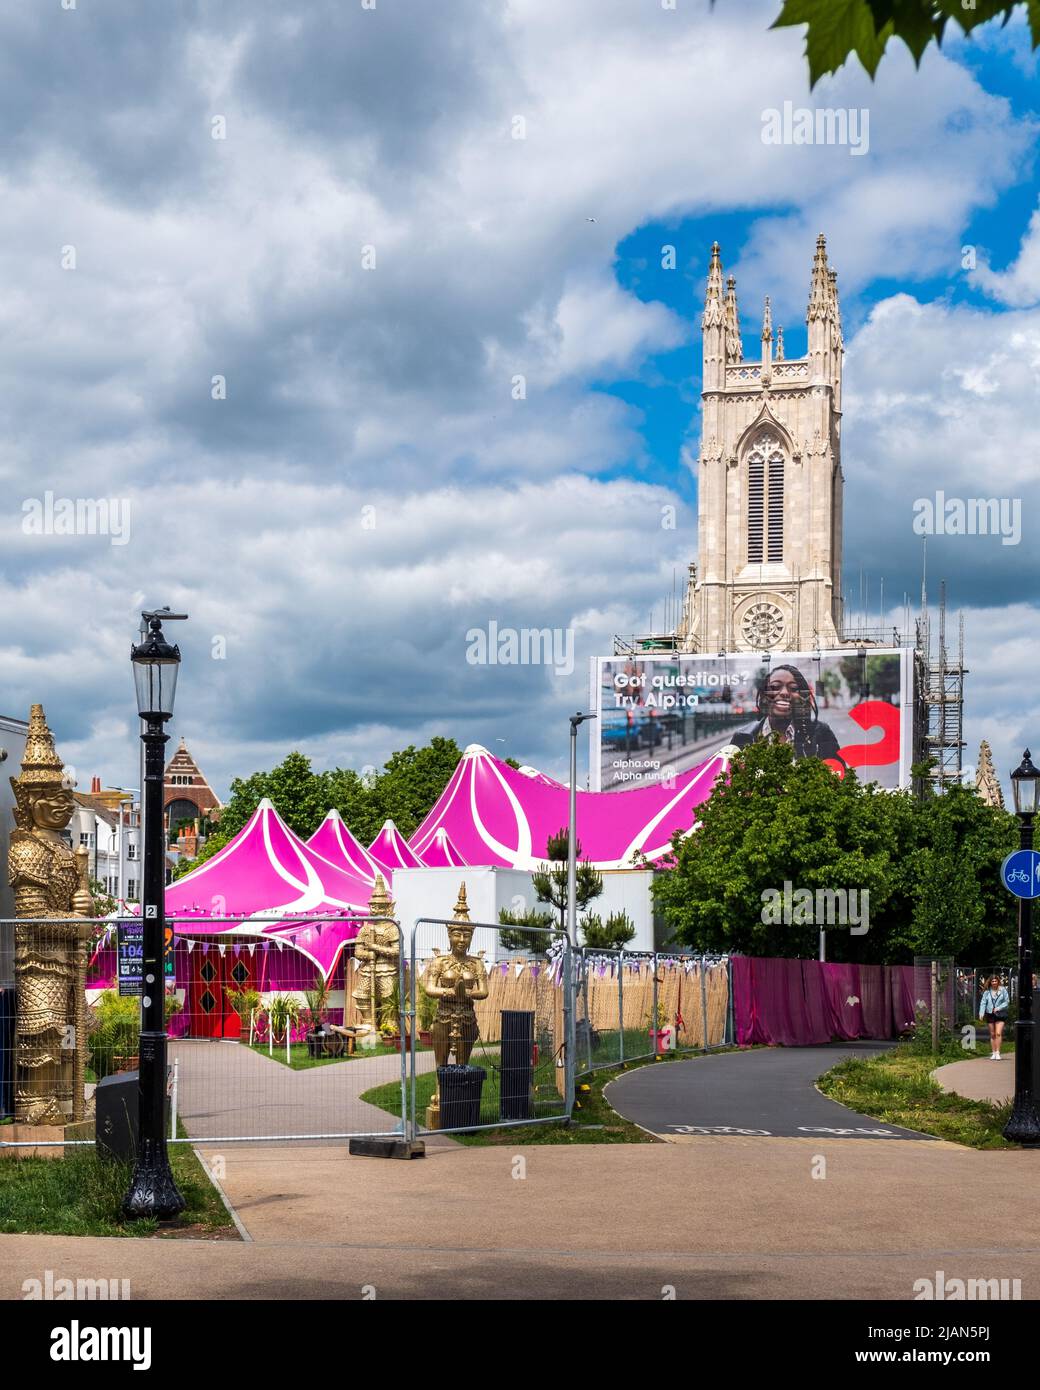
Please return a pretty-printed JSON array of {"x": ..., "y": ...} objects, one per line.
[{"x": 370, "y": 488}]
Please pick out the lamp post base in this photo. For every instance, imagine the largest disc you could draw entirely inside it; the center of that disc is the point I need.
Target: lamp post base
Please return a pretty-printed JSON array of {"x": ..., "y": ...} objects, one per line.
[
  {"x": 153, "y": 1192},
  {"x": 1024, "y": 1124}
]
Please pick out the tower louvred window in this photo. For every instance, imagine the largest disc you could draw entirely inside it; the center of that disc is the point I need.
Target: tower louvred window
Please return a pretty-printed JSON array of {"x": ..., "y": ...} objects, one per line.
[{"x": 765, "y": 507}]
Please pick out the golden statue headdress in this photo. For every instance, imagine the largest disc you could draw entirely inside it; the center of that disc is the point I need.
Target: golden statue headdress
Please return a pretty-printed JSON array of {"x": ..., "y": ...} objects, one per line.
[
  {"x": 41, "y": 767},
  {"x": 380, "y": 904},
  {"x": 461, "y": 906}
]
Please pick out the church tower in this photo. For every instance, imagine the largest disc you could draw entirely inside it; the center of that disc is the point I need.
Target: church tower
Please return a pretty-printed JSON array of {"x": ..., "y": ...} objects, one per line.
[{"x": 768, "y": 573}]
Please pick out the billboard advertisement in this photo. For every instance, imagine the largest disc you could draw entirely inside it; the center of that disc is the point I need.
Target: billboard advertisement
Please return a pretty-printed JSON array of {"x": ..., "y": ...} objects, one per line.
[{"x": 660, "y": 716}]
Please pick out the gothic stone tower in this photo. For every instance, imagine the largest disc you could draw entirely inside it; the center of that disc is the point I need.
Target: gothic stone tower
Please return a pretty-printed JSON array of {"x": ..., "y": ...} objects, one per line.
[{"x": 770, "y": 480}]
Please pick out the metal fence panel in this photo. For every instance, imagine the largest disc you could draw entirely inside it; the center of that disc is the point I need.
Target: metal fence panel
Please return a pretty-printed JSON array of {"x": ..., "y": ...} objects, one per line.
[
  {"x": 633, "y": 1004},
  {"x": 261, "y": 1044},
  {"x": 522, "y": 1014}
]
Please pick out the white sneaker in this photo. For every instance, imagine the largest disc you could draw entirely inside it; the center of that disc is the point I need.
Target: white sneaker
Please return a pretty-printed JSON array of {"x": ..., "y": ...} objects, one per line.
[
  {"x": 992, "y": 1055},
  {"x": 996, "y": 1056}
]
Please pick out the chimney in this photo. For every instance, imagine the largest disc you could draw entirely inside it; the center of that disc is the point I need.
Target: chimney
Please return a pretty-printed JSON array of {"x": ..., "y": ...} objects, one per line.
[{"x": 95, "y": 785}]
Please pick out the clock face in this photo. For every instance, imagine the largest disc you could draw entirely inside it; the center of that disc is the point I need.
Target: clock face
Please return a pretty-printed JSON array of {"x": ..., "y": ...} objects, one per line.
[{"x": 763, "y": 625}]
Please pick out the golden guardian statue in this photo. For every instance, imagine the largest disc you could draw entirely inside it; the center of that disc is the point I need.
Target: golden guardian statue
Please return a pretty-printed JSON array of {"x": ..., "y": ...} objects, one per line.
[
  {"x": 378, "y": 949},
  {"x": 456, "y": 981},
  {"x": 50, "y": 882}
]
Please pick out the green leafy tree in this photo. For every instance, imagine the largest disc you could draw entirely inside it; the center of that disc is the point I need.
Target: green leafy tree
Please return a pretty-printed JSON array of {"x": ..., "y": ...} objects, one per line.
[
  {"x": 931, "y": 867},
  {"x": 838, "y": 28},
  {"x": 550, "y": 880}
]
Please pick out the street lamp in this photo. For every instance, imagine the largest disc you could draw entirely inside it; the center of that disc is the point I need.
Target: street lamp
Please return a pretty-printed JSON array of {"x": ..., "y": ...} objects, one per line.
[
  {"x": 572, "y": 834},
  {"x": 153, "y": 1192},
  {"x": 1024, "y": 1124}
]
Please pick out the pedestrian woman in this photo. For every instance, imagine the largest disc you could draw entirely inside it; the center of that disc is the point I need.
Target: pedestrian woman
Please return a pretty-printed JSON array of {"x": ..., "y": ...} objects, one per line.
[{"x": 993, "y": 1009}]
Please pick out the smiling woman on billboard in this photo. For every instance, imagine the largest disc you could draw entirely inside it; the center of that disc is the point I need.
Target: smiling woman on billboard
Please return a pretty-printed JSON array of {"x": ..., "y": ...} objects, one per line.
[{"x": 788, "y": 712}]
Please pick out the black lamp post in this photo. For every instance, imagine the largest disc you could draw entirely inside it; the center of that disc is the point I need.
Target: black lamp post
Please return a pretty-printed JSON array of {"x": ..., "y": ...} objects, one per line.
[
  {"x": 1024, "y": 1124},
  {"x": 153, "y": 1192}
]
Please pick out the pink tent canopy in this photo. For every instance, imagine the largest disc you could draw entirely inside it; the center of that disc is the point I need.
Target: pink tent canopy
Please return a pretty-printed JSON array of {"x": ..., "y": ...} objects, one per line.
[
  {"x": 336, "y": 842},
  {"x": 392, "y": 851},
  {"x": 440, "y": 853},
  {"x": 265, "y": 871},
  {"x": 497, "y": 815}
]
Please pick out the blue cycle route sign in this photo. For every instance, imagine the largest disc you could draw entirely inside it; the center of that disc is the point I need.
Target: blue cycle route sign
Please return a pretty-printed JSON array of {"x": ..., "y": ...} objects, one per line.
[{"x": 1020, "y": 873}]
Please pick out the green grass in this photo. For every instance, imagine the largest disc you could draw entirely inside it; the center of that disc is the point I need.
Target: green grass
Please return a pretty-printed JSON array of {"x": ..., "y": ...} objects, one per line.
[
  {"x": 81, "y": 1195},
  {"x": 594, "y": 1122},
  {"x": 300, "y": 1061},
  {"x": 896, "y": 1088}
]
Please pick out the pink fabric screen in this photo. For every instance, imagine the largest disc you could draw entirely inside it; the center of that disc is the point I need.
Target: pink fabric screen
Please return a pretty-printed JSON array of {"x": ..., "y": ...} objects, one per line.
[{"x": 802, "y": 1003}]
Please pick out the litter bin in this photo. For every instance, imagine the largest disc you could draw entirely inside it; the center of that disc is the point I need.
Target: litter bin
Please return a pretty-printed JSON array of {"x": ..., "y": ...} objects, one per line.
[{"x": 460, "y": 1089}]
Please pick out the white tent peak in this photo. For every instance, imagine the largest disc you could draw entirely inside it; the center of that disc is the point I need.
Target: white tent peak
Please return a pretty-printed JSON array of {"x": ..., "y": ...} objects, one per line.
[
  {"x": 266, "y": 804},
  {"x": 475, "y": 750}
]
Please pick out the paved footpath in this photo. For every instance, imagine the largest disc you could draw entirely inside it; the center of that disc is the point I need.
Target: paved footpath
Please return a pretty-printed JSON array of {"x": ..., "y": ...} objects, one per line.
[
  {"x": 979, "y": 1079},
  {"x": 741, "y": 1218},
  {"x": 760, "y": 1092},
  {"x": 226, "y": 1090}
]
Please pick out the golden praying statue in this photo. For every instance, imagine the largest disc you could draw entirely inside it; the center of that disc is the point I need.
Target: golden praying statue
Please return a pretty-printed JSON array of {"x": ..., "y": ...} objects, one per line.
[
  {"x": 378, "y": 948},
  {"x": 456, "y": 981},
  {"x": 49, "y": 881}
]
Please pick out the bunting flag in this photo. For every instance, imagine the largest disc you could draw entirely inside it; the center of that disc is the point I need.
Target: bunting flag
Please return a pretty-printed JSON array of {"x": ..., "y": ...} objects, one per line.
[{"x": 191, "y": 946}]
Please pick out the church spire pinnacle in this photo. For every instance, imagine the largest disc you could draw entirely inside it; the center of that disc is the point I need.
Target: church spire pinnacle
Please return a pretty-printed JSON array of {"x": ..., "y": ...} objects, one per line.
[
  {"x": 820, "y": 288},
  {"x": 767, "y": 322},
  {"x": 734, "y": 346},
  {"x": 780, "y": 344},
  {"x": 714, "y": 315}
]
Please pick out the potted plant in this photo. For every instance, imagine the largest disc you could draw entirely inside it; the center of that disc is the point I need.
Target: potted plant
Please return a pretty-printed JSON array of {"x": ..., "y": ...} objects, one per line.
[
  {"x": 246, "y": 1003},
  {"x": 426, "y": 1012},
  {"x": 317, "y": 998},
  {"x": 390, "y": 1019},
  {"x": 113, "y": 1029},
  {"x": 657, "y": 1023},
  {"x": 284, "y": 1014}
]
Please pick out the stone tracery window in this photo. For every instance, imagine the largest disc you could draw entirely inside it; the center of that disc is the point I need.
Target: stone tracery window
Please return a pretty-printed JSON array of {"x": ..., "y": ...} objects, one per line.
[{"x": 765, "y": 508}]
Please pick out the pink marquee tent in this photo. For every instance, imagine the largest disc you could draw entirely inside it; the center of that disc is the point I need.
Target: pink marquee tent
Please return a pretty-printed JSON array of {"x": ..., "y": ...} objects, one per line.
[
  {"x": 392, "y": 851},
  {"x": 440, "y": 853},
  {"x": 334, "y": 840},
  {"x": 497, "y": 815},
  {"x": 265, "y": 871}
]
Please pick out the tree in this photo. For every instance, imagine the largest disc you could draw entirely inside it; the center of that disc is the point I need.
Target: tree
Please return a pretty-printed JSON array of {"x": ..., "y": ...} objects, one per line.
[
  {"x": 535, "y": 941},
  {"x": 617, "y": 931},
  {"x": 931, "y": 867},
  {"x": 550, "y": 880},
  {"x": 406, "y": 789},
  {"x": 838, "y": 28}
]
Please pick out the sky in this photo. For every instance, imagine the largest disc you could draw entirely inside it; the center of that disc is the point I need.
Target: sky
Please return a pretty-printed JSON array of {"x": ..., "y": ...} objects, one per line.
[{"x": 355, "y": 316}]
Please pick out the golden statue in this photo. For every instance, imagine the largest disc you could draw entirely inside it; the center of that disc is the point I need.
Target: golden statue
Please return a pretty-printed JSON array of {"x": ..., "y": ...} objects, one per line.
[
  {"x": 49, "y": 881},
  {"x": 378, "y": 948},
  {"x": 456, "y": 981}
]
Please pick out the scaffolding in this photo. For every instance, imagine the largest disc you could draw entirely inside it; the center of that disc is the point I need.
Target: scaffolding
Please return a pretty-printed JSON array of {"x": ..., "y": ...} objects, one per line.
[{"x": 941, "y": 685}]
